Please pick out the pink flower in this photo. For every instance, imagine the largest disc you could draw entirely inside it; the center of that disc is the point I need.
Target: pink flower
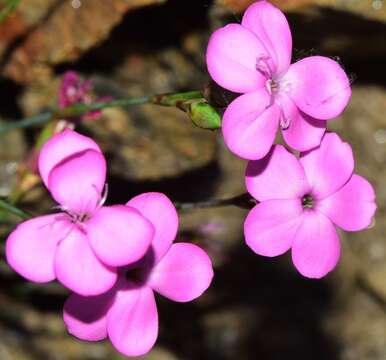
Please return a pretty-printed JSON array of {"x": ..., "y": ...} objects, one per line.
[
  {"x": 128, "y": 314},
  {"x": 74, "y": 90},
  {"x": 254, "y": 59},
  {"x": 302, "y": 199},
  {"x": 83, "y": 245}
]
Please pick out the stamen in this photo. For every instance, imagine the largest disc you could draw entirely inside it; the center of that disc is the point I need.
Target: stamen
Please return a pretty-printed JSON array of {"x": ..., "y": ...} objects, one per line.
[
  {"x": 104, "y": 195},
  {"x": 284, "y": 121},
  {"x": 307, "y": 201},
  {"x": 61, "y": 208},
  {"x": 262, "y": 66}
]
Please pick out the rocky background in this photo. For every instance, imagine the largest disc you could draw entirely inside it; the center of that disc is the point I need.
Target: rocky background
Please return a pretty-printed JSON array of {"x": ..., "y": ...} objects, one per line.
[{"x": 257, "y": 308}]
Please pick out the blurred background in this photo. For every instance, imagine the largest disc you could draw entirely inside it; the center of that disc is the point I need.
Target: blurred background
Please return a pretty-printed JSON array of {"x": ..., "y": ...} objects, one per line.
[{"x": 257, "y": 308}]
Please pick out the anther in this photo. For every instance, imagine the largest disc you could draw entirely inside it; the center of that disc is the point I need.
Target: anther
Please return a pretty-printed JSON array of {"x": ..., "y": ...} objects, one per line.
[{"x": 307, "y": 201}]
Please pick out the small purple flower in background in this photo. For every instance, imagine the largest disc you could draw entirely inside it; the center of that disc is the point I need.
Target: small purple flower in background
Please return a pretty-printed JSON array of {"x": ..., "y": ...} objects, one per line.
[
  {"x": 82, "y": 246},
  {"x": 74, "y": 90},
  {"x": 302, "y": 199},
  {"x": 127, "y": 314},
  {"x": 254, "y": 58}
]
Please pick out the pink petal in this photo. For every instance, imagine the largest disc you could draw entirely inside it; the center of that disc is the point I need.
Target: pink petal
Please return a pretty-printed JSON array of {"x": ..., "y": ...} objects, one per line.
[
  {"x": 183, "y": 274},
  {"x": 271, "y": 27},
  {"x": 352, "y": 207},
  {"x": 61, "y": 146},
  {"x": 119, "y": 235},
  {"x": 278, "y": 176},
  {"x": 249, "y": 125},
  {"x": 31, "y": 247},
  {"x": 329, "y": 166},
  {"x": 304, "y": 132},
  {"x": 316, "y": 246},
  {"x": 319, "y": 87},
  {"x": 157, "y": 208},
  {"x": 77, "y": 267},
  {"x": 232, "y": 58},
  {"x": 132, "y": 322},
  {"x": 86, "y": 317},
  {"x": 77, "y": 182},
  {"x": 270, "y": 226}
]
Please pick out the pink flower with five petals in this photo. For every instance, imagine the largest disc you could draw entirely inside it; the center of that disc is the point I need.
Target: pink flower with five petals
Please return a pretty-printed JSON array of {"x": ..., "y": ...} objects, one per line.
[
  {"x": 127, "y": 314},
  {"x": 301, "y": 202},
  {"x": 254, "y": 58},
  {"x": 84, "y": 244}
]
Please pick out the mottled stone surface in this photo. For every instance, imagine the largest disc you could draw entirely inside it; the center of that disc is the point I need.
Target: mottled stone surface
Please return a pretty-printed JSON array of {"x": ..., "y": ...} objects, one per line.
[
  {"x": 66, "y": 33},
  {"x": 257, "y": 308}
]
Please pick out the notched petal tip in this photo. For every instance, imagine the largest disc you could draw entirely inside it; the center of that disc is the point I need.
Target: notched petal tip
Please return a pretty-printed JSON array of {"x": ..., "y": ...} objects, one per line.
[
  {"x": 61, "y": 146},
  {"x": 319, "y": 87},
  {"x": 161, "y": 212},
  {"x": 31, "y": 247},
  {"x": 231, "y": 59},
  {"x": 183, "y": 274}
]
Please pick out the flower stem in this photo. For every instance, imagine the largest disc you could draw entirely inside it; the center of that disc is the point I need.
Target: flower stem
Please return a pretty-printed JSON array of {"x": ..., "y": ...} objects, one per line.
[
  {"x": 244, "y": 201},
  {"x": 78, "y": 110},
  {"x": 7, "y": 207}
]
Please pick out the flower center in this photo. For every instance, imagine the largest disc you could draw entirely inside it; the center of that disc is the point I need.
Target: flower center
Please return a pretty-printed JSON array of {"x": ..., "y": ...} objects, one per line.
[
  {"x": 307, "y": 202},
  {"x": 263, "y": 66},
  {"x": 83, "y": 216},
  {"x": 272, "y": 86},
  {"x": 137, "y": 275},
  {"x": 276, "y": 87}
]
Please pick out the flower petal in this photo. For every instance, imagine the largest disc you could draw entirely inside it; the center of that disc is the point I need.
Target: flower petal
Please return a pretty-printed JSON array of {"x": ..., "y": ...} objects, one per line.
[
  {"x": 31, "y": 247},
  {"x": 318, "y": 86},
  {"x": 77, "y": 182},
  {"x": 157, "y": 208},
  {"x": 278, "y": 176},
  {"x": 232, "y": 58},
  {"x": 329, "y": 166},
  {"x": 86, "y": 316},
  {"x": 61, "y": 146},
  {"x": 249, "y": 125},
  {"x": 77, "y": 267},
  {"x": 183, "y": 274},
  {"x": 304, "y": 132},
  {"x": 132, "y": 322},
  {"x": 119, "y": 235},
  {"x": 352, "y": 207},
  {"x": 316, "y": 246},
  {"x": 270, "y": 226},
  {"x": 271, "y": 27}
]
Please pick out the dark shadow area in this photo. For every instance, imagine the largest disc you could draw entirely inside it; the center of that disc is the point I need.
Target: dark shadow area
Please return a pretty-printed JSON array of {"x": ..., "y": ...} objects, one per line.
[
  {"x": 285, "y": 313},
  {"x": 358, "y": 42},
  {"x": 9, "y": 93},
  {"x": 146, "y": 31},
  {"x": 195, "y": 185}
]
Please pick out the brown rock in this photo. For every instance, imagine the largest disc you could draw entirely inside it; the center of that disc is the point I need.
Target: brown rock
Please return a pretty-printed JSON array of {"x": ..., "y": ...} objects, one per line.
[
  {"x": 66, "y": 34},
  {"x": 22, "y": 19}
]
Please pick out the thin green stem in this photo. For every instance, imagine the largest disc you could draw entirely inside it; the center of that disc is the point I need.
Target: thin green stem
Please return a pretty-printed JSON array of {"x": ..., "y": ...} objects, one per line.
[
  {"x": 78, "y": 110},
  {"x": 4, "y": 205},
  {"x": 8, "y": 8},
  {"x": 40, "y": 119}
]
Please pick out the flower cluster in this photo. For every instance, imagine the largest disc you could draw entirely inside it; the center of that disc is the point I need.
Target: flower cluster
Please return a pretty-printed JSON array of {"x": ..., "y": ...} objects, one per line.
[
  {"x": 74, "y": 90},
  {"x": 254, "y": 58},
  {"x": 111, "y": 257},
  {"x": 301, "y": 199}
]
